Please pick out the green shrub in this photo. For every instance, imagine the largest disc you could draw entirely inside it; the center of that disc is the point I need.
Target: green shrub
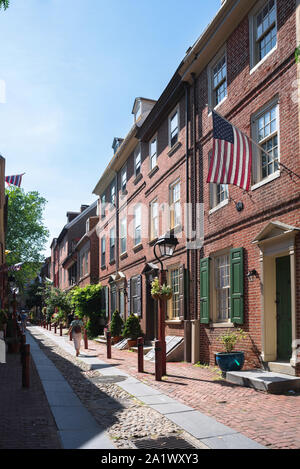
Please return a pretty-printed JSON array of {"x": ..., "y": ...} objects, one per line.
[
  {"x": 132, "y": 329},
  {"x": 116, "y": 324}
]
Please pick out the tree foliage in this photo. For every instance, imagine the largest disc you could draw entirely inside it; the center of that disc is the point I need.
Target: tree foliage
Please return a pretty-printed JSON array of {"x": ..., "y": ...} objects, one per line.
[
  {"x": 56, "y": 299},
  {"x": 88, "y": 303},
  {"x": 116, "y": 325},
  {"x": 26, "y": 235},
  {"x": 132, "y": 329},
  {"x": 4, "y": 4}
]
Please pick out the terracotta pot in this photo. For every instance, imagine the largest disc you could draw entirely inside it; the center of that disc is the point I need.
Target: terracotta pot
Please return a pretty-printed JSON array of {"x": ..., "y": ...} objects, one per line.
[
  {"x": 131, "y": 343},
  {"x": 115, "y": 340}
]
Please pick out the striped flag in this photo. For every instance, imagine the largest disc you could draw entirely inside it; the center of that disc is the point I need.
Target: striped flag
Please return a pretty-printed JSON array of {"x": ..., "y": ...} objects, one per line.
[
  {"x": 14, "y": 180},
  {"x": 231, "y": 161}
]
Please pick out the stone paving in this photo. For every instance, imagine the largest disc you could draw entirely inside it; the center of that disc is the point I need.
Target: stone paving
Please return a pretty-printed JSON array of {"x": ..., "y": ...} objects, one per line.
[
  {"x": 124, "y": 417},
  {"x": 271, "y": 420}
]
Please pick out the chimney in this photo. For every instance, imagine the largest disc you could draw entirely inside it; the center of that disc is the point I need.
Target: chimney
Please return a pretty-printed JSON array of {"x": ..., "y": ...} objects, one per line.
[
  {"x": 83, "y": 208},
  {"x": 71, "y": 216}
]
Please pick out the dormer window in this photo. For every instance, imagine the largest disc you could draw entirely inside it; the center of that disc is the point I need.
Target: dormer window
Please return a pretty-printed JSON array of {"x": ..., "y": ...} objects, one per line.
[
  {"x": 116, "y": 144},
  {"x": 138, "y": 111}
]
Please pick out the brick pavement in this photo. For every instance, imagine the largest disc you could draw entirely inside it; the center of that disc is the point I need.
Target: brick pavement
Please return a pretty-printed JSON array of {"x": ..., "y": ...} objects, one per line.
[
  {"x": 271, "y": 420},
  {"x": 26, "y": 421}
]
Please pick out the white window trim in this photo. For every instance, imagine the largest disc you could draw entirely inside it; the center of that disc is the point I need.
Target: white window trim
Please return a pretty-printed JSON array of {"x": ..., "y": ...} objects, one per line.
[
  {"x": 123, "y": 237},
  {"x": 171, "y": 203},
  {"x": 171, "y": 318},
  {"x": 219, "y": 206},
  {"x": 171, "y": 115},
  {"x": 213, "y": 291},
  {"x": 151, "y": 237},
  {"x": 137, "y": 151},
  {"x": 253, "y": 65},
  {"x": 150, "y": 156},
  {"x": 220, "y": 54},
  {"x": 123, "y": 170},
  {"x": 254, "y": 129}
]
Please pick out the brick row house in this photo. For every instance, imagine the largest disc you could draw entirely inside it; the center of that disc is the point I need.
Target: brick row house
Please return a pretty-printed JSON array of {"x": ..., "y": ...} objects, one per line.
[
  {"x": 74, "y": 254},
  {"x": 245, "y": 270}
]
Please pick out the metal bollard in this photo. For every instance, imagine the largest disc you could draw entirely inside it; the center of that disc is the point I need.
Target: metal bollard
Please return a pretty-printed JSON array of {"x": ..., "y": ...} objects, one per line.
[
  {"x": 23, "y": 342},
  {"x": 140, "y": 345},
  {"x": 108, "y": 344},
  {"x": 26, "y": 366},
  {"x": 86, "y": 343},
  {"x": 60, "y": 330},
  {"x": 70, "y": 335},
  {"x": 55, "y": 326},
  {"x": 158, "y": 361},
  {"x": 50, "y": 326}
]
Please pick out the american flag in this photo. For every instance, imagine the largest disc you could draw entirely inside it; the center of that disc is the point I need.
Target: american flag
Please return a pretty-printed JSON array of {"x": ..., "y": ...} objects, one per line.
[
  {"x": 231, "y": 160},
  {"x": 14, "y": 180}
]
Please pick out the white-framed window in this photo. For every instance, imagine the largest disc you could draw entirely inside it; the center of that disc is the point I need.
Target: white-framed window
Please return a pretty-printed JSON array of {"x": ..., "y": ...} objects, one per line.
[
  {"x": 137, "y": 161},
  {"x": 154, "y": 220},
  {"x": 112, "y": 244},
  {"x": 123, "y": 178},
  {"x": 113, "y": 193},
  {"x": 87, "y": 225},
  {"x": 137, "y": 224},
  {"x": 103, "y": 204},
  {"x": 263, "y": 30},
  {"x": 173, "y": 303},
  {"x": 153, "y": 153},
  {"x": 175, "y": 206},
  {"x": 174, "y": 127},
  {"x": 103, "y": 249},
  {"x": 222, "y": 287},
  {"x": 266, "y": 133},
  {"x": 123, "y": 235},
  {"x": 219, "y": 195},
  {"x": 218, "y": 79}
]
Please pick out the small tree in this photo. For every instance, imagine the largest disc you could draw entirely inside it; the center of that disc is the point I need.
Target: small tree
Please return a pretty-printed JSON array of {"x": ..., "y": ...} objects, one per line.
[
  {"x": 87, "y": 302},
  {"x": 132, "y": 329},
  {"x": 4, "y": 4},
  {"x": 116, "y": 324}
]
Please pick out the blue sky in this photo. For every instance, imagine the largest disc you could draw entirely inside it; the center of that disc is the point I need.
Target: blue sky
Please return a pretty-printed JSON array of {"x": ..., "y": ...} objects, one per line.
[{"x": 71, "y": 70}]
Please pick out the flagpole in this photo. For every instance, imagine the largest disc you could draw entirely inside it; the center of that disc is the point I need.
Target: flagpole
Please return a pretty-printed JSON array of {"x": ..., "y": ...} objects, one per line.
[{"x": 253, "y": 141}]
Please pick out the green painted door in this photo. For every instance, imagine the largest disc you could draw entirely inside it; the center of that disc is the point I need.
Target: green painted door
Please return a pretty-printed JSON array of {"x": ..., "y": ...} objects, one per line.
[{"x": 284, "y": 316}]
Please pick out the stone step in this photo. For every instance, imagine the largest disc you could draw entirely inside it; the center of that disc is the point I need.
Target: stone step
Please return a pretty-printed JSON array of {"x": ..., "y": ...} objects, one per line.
[{"x": 273, "y": 383}]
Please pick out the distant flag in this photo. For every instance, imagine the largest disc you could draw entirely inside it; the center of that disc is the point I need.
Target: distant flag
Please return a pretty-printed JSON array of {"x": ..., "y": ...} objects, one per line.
[
  {"x": 14, "y": 180},
  {"x": 16, "y": 267},
  {"x": 232, "y": 155}
]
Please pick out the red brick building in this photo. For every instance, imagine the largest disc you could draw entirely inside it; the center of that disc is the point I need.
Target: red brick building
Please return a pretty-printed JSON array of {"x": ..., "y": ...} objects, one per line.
[{"x": 249, "y": 267}]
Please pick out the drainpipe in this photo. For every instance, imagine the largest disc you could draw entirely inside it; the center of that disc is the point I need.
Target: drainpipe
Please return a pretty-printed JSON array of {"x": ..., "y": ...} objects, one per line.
[{"x": 195, "y": 283}]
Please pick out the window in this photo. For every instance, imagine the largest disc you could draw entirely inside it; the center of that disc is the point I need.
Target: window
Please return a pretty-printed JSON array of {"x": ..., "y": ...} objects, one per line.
[
  {"x": 218, "y": 195},
  {"x": 219, "y": 81},
  {"x": 153, "y": 153},
  {"x": 173, "y": 303},
  {"x": 266, "y": 129},
  {"x": 222, "y": 287},
  {"x": 123, "y": 233},
  {"x": 173, "y": 128},
  {"x": 87, "y": 226},
  {"x": 137, "y": 161},
  {"x": 175, "y": 208},
  {"x": 113, "y": 194},
  {"x": 263, "y": 28},
  {"x": 136, "y": 297},
  {"x": 154, "y": 220},
  {"x": 103, "y": 245},
  {"x": 103, "y": 206},
  {"x": 112, "y": 245},
  {"x": 86, "y": 262},
  {"x": 113, "y": 298},
  {"x": 137, "y": 225},
  {"x": 123, "y": 179}
]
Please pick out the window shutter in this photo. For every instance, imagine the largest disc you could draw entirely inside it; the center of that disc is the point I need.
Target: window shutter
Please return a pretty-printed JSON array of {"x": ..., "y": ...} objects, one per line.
[
  {"x": 205, "y": 290},
  {"x": 128, "y": 297},
  {"x": 237, "y": 285},
  {"x": 139, "y": 295},
  {"x": 182, "y": 275}
]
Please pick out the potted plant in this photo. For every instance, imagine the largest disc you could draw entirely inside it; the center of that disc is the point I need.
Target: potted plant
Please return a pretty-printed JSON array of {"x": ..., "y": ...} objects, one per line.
[
  {"x": 132, "y": 330},
  {"x": 159, "y": 291},
  {"x": 116, "y": 327},
  {"x": 231, "y": 360}
]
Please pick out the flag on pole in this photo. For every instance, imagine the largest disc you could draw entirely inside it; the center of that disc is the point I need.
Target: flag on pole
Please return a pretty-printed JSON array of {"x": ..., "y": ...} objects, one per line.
[
  {"x": 14, "y": 180},
  {"x": 231, "y": 160},
  {"x": 16, "y": 267}
]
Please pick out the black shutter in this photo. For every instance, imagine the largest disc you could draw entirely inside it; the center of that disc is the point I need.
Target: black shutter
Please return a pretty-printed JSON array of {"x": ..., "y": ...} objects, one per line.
[
  {"x": 139, "y": 295},
  {"x": 128, "y": 297},
  {"x": 182, "y": 275}
]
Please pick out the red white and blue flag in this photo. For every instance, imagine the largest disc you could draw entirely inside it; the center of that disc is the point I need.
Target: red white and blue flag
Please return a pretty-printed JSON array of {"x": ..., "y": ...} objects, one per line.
[
  {"x": 14, "y": 180},
  {"x": 231, "y": 160}
]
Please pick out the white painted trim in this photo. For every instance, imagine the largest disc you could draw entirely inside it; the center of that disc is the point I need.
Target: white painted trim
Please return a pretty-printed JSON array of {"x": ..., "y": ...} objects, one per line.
[
  {"x": 219, "y": 206},
  {"x": 175, "y": 109},
  {"x": 217, "y": 58}
]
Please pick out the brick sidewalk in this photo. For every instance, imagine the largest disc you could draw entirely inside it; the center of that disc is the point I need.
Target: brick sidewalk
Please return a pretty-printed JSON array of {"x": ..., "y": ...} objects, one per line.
[
  {"x": 26, "y": 421},
  {"x": 271, "y": 420}
]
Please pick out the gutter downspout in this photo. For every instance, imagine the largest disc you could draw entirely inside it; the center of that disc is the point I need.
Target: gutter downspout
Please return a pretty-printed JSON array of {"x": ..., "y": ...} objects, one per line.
[{"x": 194, "y": 201}]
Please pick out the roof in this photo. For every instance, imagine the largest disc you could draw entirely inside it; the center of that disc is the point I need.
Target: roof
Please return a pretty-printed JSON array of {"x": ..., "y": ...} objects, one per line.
[{"x": 76, "y": 220}]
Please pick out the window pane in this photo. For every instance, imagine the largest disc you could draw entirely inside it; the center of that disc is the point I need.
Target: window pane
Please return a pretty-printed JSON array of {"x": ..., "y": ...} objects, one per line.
[{"x": 222, "y": 275}]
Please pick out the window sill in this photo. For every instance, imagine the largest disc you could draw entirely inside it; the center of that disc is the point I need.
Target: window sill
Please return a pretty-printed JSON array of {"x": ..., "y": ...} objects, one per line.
[
  {"x": 153, "y": 241},
  {"x": 223, "y": 325},
  {"x": 266, "y": 181},
  {"x": 123, "y": 255},
  {"x": 138, "y": 247},
  {"x": 137, "y": 179},
  {"x": 153, "y": 171},
  {"x": 210, "y": 109},
  {"x": 103, "y": 267},
  {"x": 219, "y": 206},
  {"x": 173, "y": 321},
  {"x": 112, "y": 262},
  {"x": 262, "y": 61},
  {"x": 174, "y": 148}
]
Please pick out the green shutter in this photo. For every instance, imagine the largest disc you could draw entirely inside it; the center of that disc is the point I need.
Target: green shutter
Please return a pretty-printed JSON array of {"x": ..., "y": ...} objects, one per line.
[
  {"x": 205, "y": 290},
  {"x": 237, "y": 285}
]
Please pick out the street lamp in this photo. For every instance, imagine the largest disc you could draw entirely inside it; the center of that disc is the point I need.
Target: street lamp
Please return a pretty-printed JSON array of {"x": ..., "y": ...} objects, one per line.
[{"x": 166, "y": 245}]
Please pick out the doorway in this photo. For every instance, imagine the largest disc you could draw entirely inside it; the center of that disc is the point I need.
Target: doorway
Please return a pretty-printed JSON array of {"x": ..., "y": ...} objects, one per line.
[{"x": 283, "y": 310}]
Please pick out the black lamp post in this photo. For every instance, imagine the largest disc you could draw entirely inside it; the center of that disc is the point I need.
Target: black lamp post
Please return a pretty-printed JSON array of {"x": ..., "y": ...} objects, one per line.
[{"x": 166, "y": 246}]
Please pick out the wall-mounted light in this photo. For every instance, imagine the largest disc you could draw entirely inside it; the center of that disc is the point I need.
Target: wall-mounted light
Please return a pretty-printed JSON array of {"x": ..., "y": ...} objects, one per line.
[{"x": 252, "y": 274}]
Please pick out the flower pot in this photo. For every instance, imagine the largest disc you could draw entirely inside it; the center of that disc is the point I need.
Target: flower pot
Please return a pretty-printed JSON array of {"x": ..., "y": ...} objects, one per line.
[
  {"x": 116, "y": 339},
  {"x": 233, "y": 361},
  {"x": 156, "y": 296},
  {"x": 131, "y": 343}
]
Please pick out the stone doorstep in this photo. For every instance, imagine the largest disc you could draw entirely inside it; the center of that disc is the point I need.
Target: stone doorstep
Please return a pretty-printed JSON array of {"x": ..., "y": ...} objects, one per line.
[{"x": 273, "y": 383}]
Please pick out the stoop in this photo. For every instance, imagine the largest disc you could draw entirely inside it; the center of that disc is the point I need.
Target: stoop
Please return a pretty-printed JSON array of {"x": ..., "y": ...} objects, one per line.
[{"x": 274, "y": 383}]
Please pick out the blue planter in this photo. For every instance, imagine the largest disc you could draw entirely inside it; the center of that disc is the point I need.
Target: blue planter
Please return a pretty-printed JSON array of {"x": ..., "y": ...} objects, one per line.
[{"x": 230, "y": 361}]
